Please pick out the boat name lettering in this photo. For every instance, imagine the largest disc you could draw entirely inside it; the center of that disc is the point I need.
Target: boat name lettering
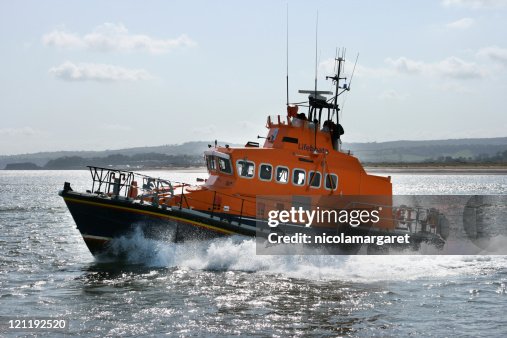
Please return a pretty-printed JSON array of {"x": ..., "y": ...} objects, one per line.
[{"x": 309, "y": 147}]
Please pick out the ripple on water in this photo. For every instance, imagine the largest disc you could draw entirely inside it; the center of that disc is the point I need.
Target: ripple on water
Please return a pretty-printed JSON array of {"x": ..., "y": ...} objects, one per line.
[{"x": 222, "y": 288}]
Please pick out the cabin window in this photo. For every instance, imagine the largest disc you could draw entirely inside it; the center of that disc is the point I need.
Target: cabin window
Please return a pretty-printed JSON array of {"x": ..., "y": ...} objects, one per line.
[
  {"x": 331, "y": 182},
  {"x": 265, "y": 172},
  {"x": 224, "y": 165},
  {"x": 282, "y": 174},
  {"x": 298, "y": 177},
  {"x": 314, "y": 179},
  {"x": 245, "y": 168},
  {"x": 210, "y": 163}
]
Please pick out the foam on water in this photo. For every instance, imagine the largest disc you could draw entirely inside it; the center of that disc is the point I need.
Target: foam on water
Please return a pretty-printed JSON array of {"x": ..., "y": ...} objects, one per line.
[{"x": 239, "y": 254}]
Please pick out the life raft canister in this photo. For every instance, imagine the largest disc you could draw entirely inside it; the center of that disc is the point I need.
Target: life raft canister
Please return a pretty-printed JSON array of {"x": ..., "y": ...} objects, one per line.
[{"x": 133, "y": 191}]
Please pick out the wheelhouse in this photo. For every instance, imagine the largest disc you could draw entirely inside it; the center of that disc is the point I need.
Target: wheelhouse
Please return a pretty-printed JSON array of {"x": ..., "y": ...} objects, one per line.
[{"x": 218, "y": 162}]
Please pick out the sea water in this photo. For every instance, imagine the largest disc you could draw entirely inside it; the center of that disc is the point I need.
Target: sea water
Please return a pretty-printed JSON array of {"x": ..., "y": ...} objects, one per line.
[{"x": 221, "y": 287}]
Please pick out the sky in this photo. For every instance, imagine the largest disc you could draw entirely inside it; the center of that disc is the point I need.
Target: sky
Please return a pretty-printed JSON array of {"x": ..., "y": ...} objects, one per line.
[{"x": 96, "y": 75}]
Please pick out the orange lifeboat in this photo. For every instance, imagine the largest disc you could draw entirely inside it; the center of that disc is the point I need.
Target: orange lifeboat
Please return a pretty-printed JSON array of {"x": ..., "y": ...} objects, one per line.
[{"x": 301, "y": 162}]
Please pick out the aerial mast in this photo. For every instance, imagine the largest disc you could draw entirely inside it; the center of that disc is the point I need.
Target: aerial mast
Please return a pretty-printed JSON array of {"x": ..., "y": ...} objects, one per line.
[
  {"x": 336, "y": 78},
  {"x": 287, "y": 55},
  {"x": 316, "y": 47}
]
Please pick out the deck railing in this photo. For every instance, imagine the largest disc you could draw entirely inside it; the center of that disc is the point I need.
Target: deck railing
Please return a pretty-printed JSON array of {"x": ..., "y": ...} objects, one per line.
[{"x": 115, "y": 183}]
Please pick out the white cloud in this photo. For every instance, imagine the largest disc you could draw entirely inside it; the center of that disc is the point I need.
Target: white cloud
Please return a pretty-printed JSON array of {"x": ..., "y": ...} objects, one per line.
[
  {"x": 405, "y": 65},
  {"x": 114, "y": 37},
  {"x": 363, "y": 71},
  {"x": 23, "y": 131},
  {"x": 494, "y": 53},
  {"x": 463, "y": 23},
  {"x": 58, "y": 38},
  {"x": 97, "y": 72},
  {"x": 475, "y": 4},
  {"x": 456, "y": 68},
  {"x": 451, "y": 67}
]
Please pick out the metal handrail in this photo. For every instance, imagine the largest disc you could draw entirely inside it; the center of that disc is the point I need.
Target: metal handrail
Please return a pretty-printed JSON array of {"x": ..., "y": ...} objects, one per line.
[{"x": 157, "y": 189}]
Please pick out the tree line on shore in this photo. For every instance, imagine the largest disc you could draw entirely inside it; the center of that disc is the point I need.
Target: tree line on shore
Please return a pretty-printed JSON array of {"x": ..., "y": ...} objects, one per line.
[
  {"x": 499, "y": 157},
  {"x": 140, "y": 161}
]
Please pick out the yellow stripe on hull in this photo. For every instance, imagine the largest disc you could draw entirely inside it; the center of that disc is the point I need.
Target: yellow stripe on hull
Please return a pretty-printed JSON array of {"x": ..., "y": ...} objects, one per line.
[{"x": 151, "y": 213}]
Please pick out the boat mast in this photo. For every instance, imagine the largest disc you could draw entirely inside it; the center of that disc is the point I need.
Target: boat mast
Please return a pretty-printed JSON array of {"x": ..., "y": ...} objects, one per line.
[
  {"x": 316, "y": 47},
  {"x": 337, "y": 87},
  {"x": 287, "y": 55},
  {"x": 336, "y": 78}
]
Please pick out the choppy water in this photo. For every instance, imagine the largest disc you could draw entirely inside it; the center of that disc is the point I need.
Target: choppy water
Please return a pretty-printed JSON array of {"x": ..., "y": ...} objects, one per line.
[{"x": 221, "y": 287}]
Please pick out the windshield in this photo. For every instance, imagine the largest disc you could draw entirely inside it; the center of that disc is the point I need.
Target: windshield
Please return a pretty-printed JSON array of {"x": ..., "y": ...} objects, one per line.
[{"x": 210, "y": 163}]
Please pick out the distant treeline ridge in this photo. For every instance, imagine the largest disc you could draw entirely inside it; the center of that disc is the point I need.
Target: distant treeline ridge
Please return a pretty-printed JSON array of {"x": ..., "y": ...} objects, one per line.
[{"x": 148, "y": 160}]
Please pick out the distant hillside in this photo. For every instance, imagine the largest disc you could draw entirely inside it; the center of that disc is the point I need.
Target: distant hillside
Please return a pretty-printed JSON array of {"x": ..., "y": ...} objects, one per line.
[
  {"x": 423, "y": 151},
  {"x": 190, "y": 154},
  {"x": 137, "y": 161},
  {"x": 41, "y": 159}
]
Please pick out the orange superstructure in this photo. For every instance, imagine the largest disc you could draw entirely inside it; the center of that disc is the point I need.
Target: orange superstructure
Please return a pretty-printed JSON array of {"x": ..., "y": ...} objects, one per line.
[{"x": 301, "y": 156}]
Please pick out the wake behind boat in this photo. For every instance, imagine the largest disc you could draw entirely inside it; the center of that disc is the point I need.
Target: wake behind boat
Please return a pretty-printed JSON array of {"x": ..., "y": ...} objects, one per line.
[{"x": 301, "y": 163}]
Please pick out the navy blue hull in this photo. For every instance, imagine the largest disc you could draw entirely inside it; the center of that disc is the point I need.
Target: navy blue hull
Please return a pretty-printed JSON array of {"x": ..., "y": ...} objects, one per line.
[{"x": 101, "y": 219}]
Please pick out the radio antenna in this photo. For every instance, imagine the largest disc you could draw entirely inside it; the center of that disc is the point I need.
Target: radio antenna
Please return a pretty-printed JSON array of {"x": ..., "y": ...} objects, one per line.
[
  {"x": 343, "y": 57},
  {"x": 353, "y": 70},
  {"x": 335, "y": 58},
  {"x": 350, "y": 82},
  {"x": 337, "y": 51},
  {"x": 316, "y": 46},
  {"x": 287, "y": 54}
]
